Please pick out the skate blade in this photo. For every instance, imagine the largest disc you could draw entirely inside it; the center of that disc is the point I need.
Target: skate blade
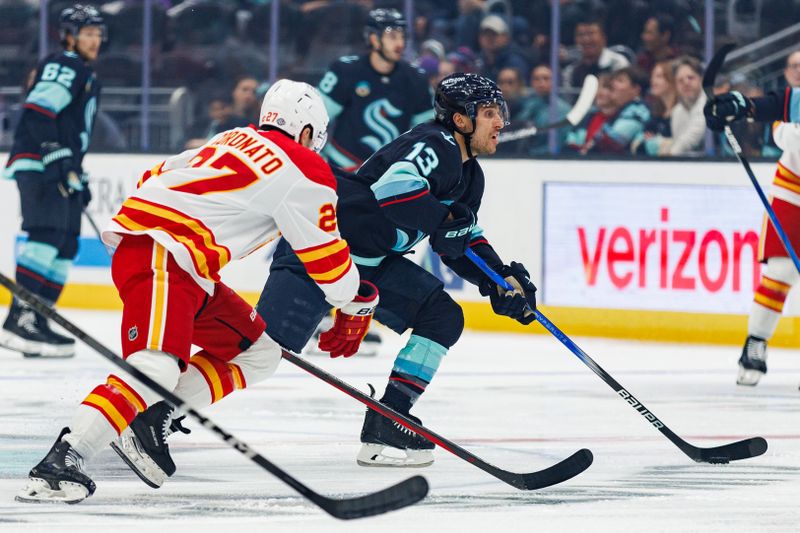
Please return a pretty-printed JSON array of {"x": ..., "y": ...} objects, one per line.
[
  {"x": 141, "y": 465},
  {"x": 16, "y": 343},
  {"x": 38, "y": 491},
  {"x": 52, "y": 351},
  {"x": 379, "y": 455},
  {"x": 748, "y": 377}
]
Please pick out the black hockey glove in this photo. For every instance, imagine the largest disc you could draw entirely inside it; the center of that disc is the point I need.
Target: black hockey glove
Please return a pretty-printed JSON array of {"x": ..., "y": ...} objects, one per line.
[
  {"x": 518, "y": 304},
  {"x": 60, "y": 169},
  {"x": 452, "y": 237},
  {"x": 726, "y": 108}
]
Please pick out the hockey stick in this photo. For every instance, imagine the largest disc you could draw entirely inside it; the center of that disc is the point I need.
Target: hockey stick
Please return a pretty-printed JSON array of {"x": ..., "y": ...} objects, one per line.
[
  {"x": 734, "y": 451},
  {"x": 573, "y": 118},
  {"x": 397, "y": 496},
  {"x": 96, "y": 229},
  {"x": 708, "y": 86},
  {"x": 559, "y": 472}
]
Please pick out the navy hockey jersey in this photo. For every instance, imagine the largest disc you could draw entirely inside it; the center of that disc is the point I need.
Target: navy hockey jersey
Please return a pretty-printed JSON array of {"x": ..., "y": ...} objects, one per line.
[
  {"x": 400, "y": 195},
  {"x": 371, "y": 109},
  {"x": 60, "y": 107}
]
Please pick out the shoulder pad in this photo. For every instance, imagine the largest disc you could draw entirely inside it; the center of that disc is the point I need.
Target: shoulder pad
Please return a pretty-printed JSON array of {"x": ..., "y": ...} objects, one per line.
[{"x": 348, "y": 59}]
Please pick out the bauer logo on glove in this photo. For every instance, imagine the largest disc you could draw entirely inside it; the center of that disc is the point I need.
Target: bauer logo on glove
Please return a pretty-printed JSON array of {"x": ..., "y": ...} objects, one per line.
[{"x": 351, "y": 323}]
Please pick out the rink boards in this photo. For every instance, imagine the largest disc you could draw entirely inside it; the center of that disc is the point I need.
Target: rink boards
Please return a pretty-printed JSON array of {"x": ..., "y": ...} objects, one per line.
[{"x": 647, "y": 250}]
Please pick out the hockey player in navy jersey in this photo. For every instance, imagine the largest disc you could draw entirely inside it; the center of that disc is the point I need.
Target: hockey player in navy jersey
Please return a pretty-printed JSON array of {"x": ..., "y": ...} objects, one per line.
[
  {"x": 45, "y": 160},
  {"x": 425, "y": 183},
  {"x": 375, "y": 97}
]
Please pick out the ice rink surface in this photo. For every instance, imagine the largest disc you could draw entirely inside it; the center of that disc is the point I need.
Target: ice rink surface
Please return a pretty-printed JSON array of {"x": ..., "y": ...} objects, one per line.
[{"x": 520, "y": 402}]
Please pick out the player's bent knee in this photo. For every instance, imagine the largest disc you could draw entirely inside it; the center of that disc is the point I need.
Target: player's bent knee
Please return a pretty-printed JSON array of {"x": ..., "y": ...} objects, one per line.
[
  {"x": 260, "y": 361},
  {"x": 442, "y": 320},
  {"x": 161, "y": 367},
  {"x": 782, "y": 269}
]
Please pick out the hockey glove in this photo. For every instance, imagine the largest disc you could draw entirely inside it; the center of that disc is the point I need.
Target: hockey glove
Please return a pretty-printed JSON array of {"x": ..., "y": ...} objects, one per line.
[
  {"x": 60, "y": 169},
  {"x": 351, "y": 323},
  {"x": 725, "y": 108},
  {"x": 452, "y": 237},
  {"x": 518, "y": 304}
]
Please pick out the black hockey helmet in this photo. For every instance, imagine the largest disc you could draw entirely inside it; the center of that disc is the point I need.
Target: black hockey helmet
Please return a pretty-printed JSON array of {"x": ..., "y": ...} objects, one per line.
[
  {"x": 75, "y": 17},
  {"x": 465, "y": 93},
  {"x": 381, "y": 20}
]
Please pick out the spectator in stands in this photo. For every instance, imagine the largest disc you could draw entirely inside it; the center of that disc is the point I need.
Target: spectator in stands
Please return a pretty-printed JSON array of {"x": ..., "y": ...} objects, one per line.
[
  {"x": 219, "y": 110},
  {"x": 662, "y": 100},
  {"x": 245, "y": 104},
  {"x": 511, "y": 82},
  {"x": 792, "y": 70},
  {"x": 497, "y": 50},
  {"x": 595, "y": 58},
  {"x": 536, "y": 109},
  {"x": 463, "y": 59},
  {"x": 687, "y": 122},
  {"x": 470, "y": 14},
  {"x": 656, "y": 41},
  {"x": 581, "y": 138}
]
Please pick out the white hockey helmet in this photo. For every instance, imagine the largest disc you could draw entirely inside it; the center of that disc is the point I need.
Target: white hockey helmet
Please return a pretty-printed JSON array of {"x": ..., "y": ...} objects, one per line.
[{"x": 290, "y": 106}]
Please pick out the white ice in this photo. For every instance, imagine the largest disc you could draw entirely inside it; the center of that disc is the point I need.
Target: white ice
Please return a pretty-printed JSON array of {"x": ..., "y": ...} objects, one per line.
[{"x": 521, "y": 402}]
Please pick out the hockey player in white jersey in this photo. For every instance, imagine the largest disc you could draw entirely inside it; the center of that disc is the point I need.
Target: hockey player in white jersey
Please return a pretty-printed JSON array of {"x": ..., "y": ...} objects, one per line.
[
  {"x": 781, "y": 274},
  {"x": 190, "y": 216}
]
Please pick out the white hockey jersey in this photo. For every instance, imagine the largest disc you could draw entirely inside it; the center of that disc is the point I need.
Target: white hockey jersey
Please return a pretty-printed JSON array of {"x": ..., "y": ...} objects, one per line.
[
  {"x": 226, "y": 199},
  {"x": 786, "y": 184}
]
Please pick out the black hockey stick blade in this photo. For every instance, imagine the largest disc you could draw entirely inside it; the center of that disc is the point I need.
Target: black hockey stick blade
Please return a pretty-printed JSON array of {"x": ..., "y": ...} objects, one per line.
[
  {"x": 713, "y": 68},
  {"x": 404, "y": 493},
  {"x": 743, "y": 449},
  {"x": 557, "y": 473}
]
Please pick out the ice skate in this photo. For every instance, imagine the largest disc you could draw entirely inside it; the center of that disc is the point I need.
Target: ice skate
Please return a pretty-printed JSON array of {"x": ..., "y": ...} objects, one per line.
[
  {"x": 389, "y": 444},
  {"x": 753, "y": 362},
  {"x": 22, "y": 332},
  {"x": 58, "y": 345},
  {"x": 58, "y": 478},
  {"x": 143, "y": 445}
]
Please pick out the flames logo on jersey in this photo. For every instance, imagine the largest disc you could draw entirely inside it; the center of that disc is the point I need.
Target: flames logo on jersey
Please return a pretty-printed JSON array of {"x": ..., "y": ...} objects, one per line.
[{"x": 376, "y": 118}]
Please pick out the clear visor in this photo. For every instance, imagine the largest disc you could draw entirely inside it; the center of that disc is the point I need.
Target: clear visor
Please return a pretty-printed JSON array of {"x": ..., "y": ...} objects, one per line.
[
  {"x": 473, "y": 107},
  {"x": 319, "y": 141}
]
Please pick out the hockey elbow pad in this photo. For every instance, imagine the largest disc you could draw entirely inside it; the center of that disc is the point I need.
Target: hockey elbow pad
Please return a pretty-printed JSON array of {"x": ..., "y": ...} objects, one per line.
[
  {"x": 351, "y": 322},
  {"x": 452, "y": 237}
]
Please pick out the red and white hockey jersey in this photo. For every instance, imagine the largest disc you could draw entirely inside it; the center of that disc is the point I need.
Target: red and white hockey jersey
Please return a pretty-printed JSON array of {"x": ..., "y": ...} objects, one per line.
[
  {"x": 226, "y": 199},
  {"x": 786, "y": 184}
]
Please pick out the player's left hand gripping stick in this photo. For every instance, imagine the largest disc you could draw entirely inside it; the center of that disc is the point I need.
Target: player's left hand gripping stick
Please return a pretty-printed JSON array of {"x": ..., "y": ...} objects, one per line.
[{"x": 742, "y": 449}]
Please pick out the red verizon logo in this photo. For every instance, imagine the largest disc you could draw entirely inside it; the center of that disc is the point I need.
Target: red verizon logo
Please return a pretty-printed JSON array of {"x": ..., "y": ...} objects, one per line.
[{"x": 623, "y": 251}]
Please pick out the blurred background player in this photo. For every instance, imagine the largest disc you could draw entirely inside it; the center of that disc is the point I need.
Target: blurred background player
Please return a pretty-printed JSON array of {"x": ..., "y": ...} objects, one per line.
[
  {"x": 375, "y": 97},
  {"x": 50, "y": 142},
  {"x": 189, "y": 217},
  {"x": 425, "y": 183},
  {"x": 781, "y": 274}
]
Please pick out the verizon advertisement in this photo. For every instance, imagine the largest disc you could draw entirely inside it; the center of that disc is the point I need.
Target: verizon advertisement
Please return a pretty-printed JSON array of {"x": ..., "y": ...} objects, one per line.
[{"x": 688, "y": 248}]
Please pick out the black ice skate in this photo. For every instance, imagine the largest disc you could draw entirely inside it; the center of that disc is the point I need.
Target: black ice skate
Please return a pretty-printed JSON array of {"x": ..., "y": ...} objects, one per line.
[
  {"x": 753, "y": 362},
  {"x": 22, "y": 332},
  {"x": 58, "y": 478},
  {"x": 58, "y": 345},
  {"x": 387, "y": 443},
  {"x": 143, "y": 445}
]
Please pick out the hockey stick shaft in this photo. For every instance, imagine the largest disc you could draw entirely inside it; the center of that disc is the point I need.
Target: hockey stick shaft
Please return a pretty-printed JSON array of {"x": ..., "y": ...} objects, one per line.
[
  {"x": 406, "y": 493},
  {"x": 739, "y": 450},
  {"x": 573, "y": 117},
  {"x": 708, "y": 87},
  {"x": 562, "y": 471},
  {"x": 97, "y": 231}
]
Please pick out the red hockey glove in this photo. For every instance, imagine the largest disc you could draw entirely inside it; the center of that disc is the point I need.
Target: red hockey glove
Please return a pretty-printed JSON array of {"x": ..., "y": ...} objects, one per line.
[{"x": 351, "y": 323}]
